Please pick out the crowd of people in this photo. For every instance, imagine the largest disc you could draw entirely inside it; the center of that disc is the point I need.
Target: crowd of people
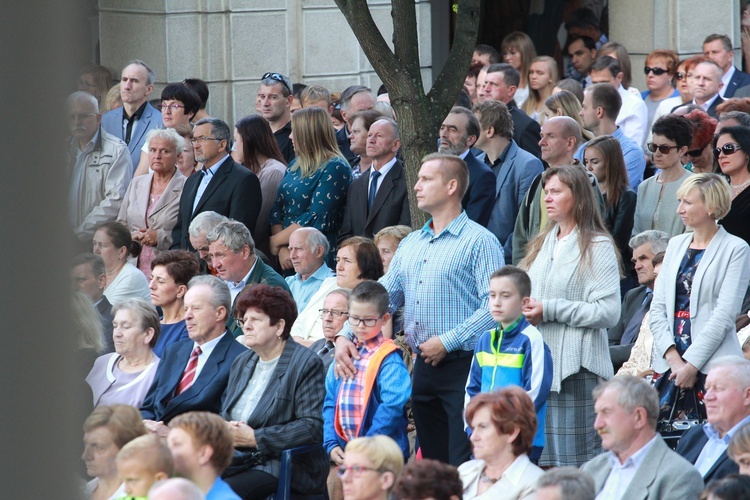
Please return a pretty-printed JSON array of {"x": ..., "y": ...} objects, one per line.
[{"x": 253, "y": 293}]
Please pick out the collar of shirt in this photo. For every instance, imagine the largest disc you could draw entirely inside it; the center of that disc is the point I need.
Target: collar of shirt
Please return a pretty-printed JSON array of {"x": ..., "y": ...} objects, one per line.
[
  {"x": 243, "y": 282},
  {"x": 320, "y": 274},
  {"x": 515, "y": 471},
  {"x": 635, "y": 460},
  {"x": 209, "y": 172},
  {"x": 137, "y": 115},
  {"x": 706, "y": 104},
  {"x": 385, "y": 168},
  {"x": 500, "y": 159},
  {"x": 726, "y": 79},
  {"x": 454, "y": 227},
  {"x": 208, "y": 347},
  {"x": 370, "y": 345},
  {"x": 89, "y": 145},
  {"x": 713, "y": 434},
  {"x": 463, "y": 155}
]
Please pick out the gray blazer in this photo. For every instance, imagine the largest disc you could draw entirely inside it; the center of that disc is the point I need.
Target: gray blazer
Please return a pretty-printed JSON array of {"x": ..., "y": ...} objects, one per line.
[
  {"x": 289, "y": 413},
  {"x": 719, "y": 285},
  {"x": 663, "y": 475},
  {"x": 164, "y": 216}
]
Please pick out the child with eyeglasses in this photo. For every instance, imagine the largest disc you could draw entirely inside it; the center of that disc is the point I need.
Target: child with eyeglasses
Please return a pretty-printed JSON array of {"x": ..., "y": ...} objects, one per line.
[{"x": 374, "y": 401}]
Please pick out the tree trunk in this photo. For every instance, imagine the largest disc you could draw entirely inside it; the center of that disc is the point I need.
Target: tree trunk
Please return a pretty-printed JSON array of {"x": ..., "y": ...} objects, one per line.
[{"x": 419, "y": 115}]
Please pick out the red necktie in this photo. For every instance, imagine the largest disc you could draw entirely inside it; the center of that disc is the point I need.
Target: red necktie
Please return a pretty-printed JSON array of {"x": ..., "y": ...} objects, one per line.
[{"x": 189, "y": 374}]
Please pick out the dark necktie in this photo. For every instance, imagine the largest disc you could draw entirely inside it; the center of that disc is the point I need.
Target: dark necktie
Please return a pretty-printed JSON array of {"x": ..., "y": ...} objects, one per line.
[
  {"x": 327, "y": 347},
  {"x": 188, "y": 376},
  {"x": 373, "y": 188},
  {"x": 630, "y": 334}
]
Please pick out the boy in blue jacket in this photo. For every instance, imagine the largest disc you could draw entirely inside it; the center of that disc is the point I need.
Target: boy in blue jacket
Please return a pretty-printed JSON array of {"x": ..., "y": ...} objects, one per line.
[
  {"x": 374, "y": 401},
  {"x": 513, "y": 353}
]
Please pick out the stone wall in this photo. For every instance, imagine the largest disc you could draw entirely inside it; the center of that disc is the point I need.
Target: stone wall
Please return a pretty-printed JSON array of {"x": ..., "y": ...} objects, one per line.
[{"x": 231, "y": 43}]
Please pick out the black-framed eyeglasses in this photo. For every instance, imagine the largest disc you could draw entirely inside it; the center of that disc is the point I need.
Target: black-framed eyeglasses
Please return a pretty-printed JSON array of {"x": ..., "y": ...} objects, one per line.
[
  {"x": 656, "y": 71},
  {"x": 203, "y": 138},
  {"x": 695, "y": 153},
  {"x": 333, "y": 313},
  {"x": 680, "y": 75},
  {"x": 356, "y": 470},
  {"x": 279, "y": 78},
  {"x": 368, "y": 322},
  {"x": 727, "y": 149},
  {"x": 663, "y": 148},
  {"x": 171, "y": 107}
]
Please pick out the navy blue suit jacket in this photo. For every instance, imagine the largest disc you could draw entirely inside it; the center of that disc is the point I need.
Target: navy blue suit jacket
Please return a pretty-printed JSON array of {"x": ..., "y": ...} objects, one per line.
[
  {"x": 690, "y": 446},
  {"x": 739, "y": 79},
  {"x": 150, "y": 119},
  {"x": 513, "y": 179},
  {"x": 480, "y": 196},
  {"x": 234, "y": 191},
  {"x": 204, "y": 394}
]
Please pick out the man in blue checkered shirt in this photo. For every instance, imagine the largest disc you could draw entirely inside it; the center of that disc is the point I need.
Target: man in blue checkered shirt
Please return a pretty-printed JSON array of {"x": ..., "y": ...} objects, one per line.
[{"x": 441, "y": 275}]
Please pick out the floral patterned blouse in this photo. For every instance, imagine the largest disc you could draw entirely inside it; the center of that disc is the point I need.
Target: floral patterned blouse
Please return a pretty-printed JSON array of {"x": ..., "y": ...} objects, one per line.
[{"x": 317, "y": 200}]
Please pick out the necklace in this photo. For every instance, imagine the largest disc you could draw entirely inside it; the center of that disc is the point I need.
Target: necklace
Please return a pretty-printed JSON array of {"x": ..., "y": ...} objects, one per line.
[
  {"x": 487, "y": 479},
  {"x": 737, "y": 189},
  {"x": 157, "y": 191}
]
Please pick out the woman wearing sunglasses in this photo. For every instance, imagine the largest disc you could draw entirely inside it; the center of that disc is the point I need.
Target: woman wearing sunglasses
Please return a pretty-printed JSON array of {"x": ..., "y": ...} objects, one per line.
[
  {"x": 656, "y": 207},
  {"x": 733, "y": 155},
  {"x": 699, "y": 159},
  {"x": 660, "y": 69},
  {"x": 685, "y": 95},
  {"x": 699, "y": 292}
]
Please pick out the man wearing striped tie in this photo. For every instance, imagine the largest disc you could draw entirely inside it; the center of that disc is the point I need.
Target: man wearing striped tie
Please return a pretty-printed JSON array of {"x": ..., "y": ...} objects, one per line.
[{"x": 193, "y": 373}]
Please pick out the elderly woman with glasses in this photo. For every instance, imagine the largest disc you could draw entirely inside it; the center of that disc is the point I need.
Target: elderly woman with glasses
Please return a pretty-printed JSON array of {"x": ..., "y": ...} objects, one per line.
[
  {"x": 371, "y": 468},
  {"x": 274, "y": 399},
  {"x": 733, "y": 155},
  {"x": 656, "y": 205},
  {"x": 152, "y": 201}
]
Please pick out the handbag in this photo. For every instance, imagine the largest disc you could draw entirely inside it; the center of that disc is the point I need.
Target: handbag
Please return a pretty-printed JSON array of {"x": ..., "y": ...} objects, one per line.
[
  {"x": 242, "y": 461},
  {"x": 673, "y": 427}
]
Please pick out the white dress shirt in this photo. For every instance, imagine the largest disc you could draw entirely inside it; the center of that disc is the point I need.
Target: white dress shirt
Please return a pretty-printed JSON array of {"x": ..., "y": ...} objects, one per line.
[
  {"x": 622, "y": 474},
  {"x": 633, "y": 116},
  {"x": 206, "y": 350}
]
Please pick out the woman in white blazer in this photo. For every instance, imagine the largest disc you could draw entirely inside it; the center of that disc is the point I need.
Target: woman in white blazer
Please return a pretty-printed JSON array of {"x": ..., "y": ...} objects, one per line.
[{"x": 699, "y": 292}]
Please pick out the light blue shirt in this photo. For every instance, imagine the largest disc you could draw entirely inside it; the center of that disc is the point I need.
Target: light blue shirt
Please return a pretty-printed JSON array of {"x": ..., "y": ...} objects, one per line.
[
  {"x": 302, "y": 291},
  {"x": 443, "y": 283},
  {"x": 635, "y": 160},
  {"x": 236, "y": 288},
  {"x": 715, "y": 446},
  {"x": 622, "y": 474},
  {"x": 208, "y": 174},
  {"x": 221, "y": 491}
]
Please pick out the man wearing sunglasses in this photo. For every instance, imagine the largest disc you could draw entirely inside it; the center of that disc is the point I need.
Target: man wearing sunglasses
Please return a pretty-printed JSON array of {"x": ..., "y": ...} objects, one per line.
[
  {"x": 718, "y": 48},
  {"x": 274, "y": 103},
  {"x": 660, "y": 69}
]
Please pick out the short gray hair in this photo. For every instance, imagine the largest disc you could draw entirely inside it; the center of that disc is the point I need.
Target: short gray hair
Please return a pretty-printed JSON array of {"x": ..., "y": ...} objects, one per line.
[
  {"x": 220, "y": 296},
  {"x": 574, "y": 483},
  {"x": 233, "y": 234},
  {"x": 315, "y": 239},
  {"x": 219, "y": 129},
  {"x": 739, "y": 116},
  {"x": 632, "y": 392},
  {"x": 151, "y": 76},
  {"x": 204, "y": 222},
  {"x": 350, "y": 92},
  {"x": 658, "y": 240},
  {"x": 79, "y": 95},
  {"x": 344, "y": 292},
  {"x": 183, "y": 488},
  {"x": 169, "y": 134},
  {"x": 145, "y": 314},
  {"x": 740, "y": 369},
  {"x": 286, "y": 86}
]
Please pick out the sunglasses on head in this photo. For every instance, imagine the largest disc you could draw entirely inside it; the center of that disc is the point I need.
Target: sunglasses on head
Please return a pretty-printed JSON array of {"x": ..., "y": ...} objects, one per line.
[
  {"x": 695, "y": 153},
  {"x": 663, "y": 148},
  {"x": 727, "y": 149},
  {"x": 278, "y": 77},
  {"x": 656, "y": 71}
]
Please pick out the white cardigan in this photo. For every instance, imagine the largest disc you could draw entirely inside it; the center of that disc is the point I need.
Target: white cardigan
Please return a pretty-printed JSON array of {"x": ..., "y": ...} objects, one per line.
[
  {"x": 719, "y": 285},
  {"x": 579, "y": 302}
]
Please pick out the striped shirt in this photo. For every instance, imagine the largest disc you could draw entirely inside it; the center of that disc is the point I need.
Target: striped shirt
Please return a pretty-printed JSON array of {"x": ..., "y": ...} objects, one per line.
[
  {"x": 352, "y": 406},
  {"x": 443, "y": 283}
]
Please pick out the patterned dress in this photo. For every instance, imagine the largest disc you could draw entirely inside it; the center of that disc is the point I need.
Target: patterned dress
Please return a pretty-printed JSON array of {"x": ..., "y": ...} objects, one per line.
[{"x": 317, "y": 200}]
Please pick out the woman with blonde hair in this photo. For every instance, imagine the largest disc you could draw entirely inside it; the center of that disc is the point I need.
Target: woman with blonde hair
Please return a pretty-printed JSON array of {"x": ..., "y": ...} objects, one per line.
[
  {"x": 518, "y": 50},
  {"x": 371, "y": 468},
  {"x": 565, "y": 103},
  {"x": 575, "y": 282},
  {"x": 543, "y": 77},
  {"x": 739, "y": 449},
  {"x": 313, "y": 191}
]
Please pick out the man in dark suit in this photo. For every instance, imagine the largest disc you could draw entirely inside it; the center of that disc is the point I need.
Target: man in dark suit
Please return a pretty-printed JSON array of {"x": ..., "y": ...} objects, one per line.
[
  {"x": 88, "y": 277},
  {"x": 353, "y": 99},
  {"x": 718, "y": 48},
  {"x": 727, "y": 401},
  {"x": 136, "y": 117},
  {"x": 193, "y": 373},
  {"x": 501, "y": 84},
  {"x": 706, "y": 86},
  {"x": 637, "y": 301},
  {"x": 458, "y": 133},
  {"x": 222, "y": 186},
  {"x": 378, "y": 198},
  {"x": 513, "y": 167}
]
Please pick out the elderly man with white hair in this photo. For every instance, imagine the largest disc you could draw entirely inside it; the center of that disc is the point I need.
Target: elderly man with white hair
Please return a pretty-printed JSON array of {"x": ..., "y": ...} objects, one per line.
[{"x": 99, "y": 168}]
